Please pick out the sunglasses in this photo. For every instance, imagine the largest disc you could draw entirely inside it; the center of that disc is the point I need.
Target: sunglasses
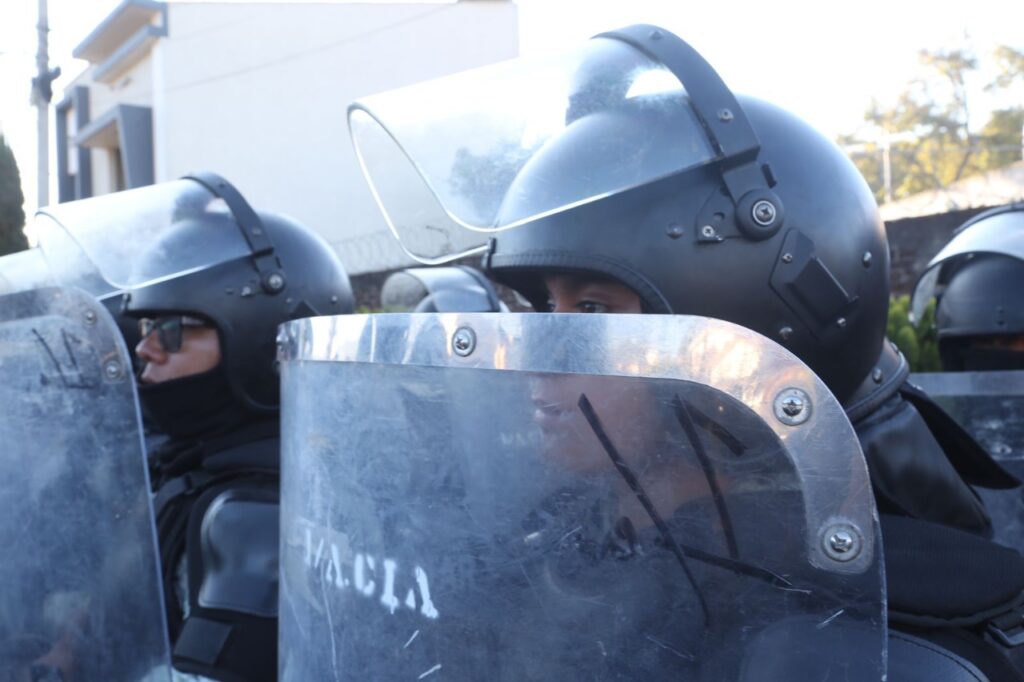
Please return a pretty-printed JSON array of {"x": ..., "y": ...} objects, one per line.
[{"x": 169, "y": 329}]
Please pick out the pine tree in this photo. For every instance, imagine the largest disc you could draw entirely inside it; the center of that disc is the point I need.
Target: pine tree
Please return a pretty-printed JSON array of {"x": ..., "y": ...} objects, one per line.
[{"x": 12, "y": 213}]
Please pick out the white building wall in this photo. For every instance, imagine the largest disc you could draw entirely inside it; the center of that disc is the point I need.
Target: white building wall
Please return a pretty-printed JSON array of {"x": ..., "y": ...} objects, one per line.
[
  {"x": 258, "y": 92},
  {"x": 134, "y": 87}
]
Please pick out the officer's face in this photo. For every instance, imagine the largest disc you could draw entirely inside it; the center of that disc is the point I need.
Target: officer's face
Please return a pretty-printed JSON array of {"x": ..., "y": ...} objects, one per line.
[
  {"x": 200, "y": 352},
  {"x": 567, "y": 435},
  {"x": 589, "y": 294}
]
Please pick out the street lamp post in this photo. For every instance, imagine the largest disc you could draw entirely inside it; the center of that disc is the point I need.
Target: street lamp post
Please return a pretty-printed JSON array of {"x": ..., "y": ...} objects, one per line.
[{"x": 42, "y": 93}]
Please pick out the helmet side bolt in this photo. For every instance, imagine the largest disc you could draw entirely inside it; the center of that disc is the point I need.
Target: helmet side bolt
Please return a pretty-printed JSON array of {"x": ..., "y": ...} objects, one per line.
[
  {"x": 708, "y": 232},
  {"x": 865, "y": 260},
  {"x": 674, "y": 231},
  {"x": 763, "y": 213},
  {"x": 787, "y": 258},
  {"x": 785, "y": 333},
  {"x": 275, "y": 282},
  {"x": 90, "y": 317},
  {"x": 877, "y": 376},
  {"x": 841, "y": 323},
  {"x": 725, "y": 115}
]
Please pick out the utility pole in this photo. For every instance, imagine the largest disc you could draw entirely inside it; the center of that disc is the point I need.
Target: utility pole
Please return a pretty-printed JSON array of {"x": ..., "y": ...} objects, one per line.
[{"x": 42, "y": 93}]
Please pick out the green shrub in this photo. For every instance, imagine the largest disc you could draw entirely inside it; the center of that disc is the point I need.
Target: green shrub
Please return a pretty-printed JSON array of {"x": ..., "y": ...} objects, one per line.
[{"x": 919, "y": 343}]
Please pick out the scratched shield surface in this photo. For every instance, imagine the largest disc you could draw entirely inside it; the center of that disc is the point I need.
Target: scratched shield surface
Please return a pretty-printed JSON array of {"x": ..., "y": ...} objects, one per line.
[
  {"x": 526, "y": 497},
  {"x": 82, "y": 599}
]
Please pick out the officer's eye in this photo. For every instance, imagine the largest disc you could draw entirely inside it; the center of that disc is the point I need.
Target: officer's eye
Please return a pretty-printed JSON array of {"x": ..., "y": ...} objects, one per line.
[{"x": 591, "y": 307}]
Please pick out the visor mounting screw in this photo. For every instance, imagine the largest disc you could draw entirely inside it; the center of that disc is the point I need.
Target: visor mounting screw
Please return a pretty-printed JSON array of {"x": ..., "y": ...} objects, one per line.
[
  {"x": 246, "y": 291},
  {"x": 675, "y": 230},
  {"x": 90, "y": 317},
  {"x": 792, "y": 407},
  {"x": 877, "y": 376},
  {"x": 763, "y": 213},
  {"x": 725, "y": 115},
  {"x": 787, "y": 258},
  {"x": 708, "y": 232},
  {"x": 841, "y": 323},
  {"x": 865, "y": 260},
  {"x": 785, "y": 333},
  {"x": 842, "y": 542},
  {"x": 464, "y": 341},
  {"x": 275, "y": 282},
  {"x": 112, "y": 370}
]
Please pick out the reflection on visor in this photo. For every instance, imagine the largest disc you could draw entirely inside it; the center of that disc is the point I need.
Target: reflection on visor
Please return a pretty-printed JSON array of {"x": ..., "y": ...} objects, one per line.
[
  {"x": 446, "y": 159},
  {"x": 126, "y": 239}
]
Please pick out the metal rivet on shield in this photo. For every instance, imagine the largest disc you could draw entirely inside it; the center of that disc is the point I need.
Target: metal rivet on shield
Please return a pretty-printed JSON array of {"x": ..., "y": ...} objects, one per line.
[
  {"x": 763, "y": 213},
  {"x": 112, "y": 370},
  {"x": 785, "y": 333},
  {"x": 246, "y": 291},
  {"x": 675, "y": 230},
  {"x": 724, "y": 115},
  {"x": 90, "y": 317},
  {"x": 877, "y": 376},
  {"x": 865, "y": 260},
  {"x": 787, "y": 258},
  {"x": 792, "y": 407},
  {"x": 842, "y": 542},
  {"x": 464, "y": 341}
]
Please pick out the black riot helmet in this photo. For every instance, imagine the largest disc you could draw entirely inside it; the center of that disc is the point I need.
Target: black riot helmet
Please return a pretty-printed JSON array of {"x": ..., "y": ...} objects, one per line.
[
  {"x": 978, "y": 281},
  {"x": 456, "y": 289},
  {"x": 639, "y": 164},
  {"x": 195, "y": 247}
]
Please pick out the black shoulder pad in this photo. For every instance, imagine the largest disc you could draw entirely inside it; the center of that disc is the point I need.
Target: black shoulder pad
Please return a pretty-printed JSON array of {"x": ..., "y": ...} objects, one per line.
[{"x": 940, "y": 576}]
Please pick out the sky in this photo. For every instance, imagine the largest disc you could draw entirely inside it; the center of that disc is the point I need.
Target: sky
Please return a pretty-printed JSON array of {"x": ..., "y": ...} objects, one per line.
[{"x": 823, "y": 60}]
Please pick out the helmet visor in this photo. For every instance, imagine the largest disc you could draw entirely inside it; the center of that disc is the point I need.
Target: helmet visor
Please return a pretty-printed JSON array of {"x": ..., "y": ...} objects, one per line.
[
  {"x": 999, "y": 234},
  {"x": 127, "y": 239},
  {"x": 443, "y": 157}
]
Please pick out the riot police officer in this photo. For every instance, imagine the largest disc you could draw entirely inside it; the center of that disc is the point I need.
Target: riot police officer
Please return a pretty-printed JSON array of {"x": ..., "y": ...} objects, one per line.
[
  {"x": 649, "y": 187},
  {"x": 977, "y": 279},
  {"x": 209, "y": 291}
]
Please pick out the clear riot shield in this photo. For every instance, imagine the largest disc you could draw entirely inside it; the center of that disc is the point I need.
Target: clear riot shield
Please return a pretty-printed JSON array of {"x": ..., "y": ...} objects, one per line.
[
  {"x": 546, "y": 497},
  {"x": 82, "y": 598},
  {"x": 990, "y": 405}
]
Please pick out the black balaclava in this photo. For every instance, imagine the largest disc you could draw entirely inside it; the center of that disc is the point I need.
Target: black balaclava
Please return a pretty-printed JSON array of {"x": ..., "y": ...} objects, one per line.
[{"x": 193, "y": 407}]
